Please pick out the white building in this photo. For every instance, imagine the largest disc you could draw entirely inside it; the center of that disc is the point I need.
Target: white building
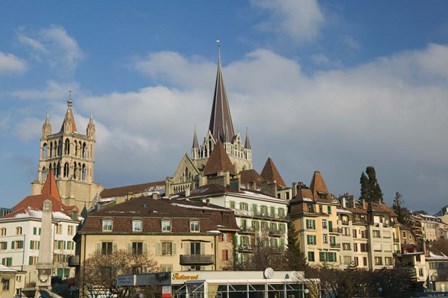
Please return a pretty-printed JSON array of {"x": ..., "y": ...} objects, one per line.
[{"x": 20, "y": 233}]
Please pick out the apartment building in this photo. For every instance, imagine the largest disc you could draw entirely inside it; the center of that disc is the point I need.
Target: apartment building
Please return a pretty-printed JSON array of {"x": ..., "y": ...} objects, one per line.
[
  {"x": 20, "y": 233},
  {"x": 313, "y": 212},
  {"x": 428, "y": 227},
  {"x": 180, "y": 235}
]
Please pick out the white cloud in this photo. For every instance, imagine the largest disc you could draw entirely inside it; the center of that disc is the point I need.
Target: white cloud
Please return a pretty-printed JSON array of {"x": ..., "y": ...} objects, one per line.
[
  {"x": 10, "y": 64},
  {"x": 55, "y": 46},
  {"x": 299, "y": 20},
  {"x": 54, "y": 91}
]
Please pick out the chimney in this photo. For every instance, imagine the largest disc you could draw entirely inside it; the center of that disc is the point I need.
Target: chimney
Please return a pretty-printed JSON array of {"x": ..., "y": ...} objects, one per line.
[
  {"x": 155, "y": 196},
  {"x": 294, "y": 189},
  {"x": 344, "y": 202}
]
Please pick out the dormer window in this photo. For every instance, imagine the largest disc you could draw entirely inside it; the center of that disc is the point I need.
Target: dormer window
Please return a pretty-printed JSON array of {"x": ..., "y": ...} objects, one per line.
[
  {"x": 107, "y": 225},
  {"x": 166, "y": 225},
  {"x": 137, "y": 226},
  {"x": 194, "y": 226}
]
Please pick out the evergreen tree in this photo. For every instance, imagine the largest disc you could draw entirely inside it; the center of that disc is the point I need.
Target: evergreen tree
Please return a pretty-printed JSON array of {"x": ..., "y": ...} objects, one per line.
[
  {"x": 370, "y": 188},
  {"x": 401, "y": 211},
  {"x": 296, "y": 259}
]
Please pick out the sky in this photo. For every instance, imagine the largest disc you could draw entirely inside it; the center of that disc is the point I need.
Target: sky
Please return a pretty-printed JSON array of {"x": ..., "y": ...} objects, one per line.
[{"x": 333, "y": 86}]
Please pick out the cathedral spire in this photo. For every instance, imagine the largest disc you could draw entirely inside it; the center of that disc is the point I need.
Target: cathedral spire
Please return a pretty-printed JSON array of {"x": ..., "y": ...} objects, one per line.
[
  {"x": 195, "y": 140},
  {"x": 69, "y": 124},
  {"x": 247, "y": 142},
  {"x": 46, "y": 127},
  {"x": 221, "y": 125}
]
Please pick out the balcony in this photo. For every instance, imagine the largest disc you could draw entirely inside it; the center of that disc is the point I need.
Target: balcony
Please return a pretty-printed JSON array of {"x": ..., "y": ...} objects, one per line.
[
  {"x": 335, "y": 245},
  {"x": 275, "y": 233},
  {"x": 245, "y": 248},
  {"x": 73, "y": 261},
  {"x": 191, "y": 260},
  {"x": 247, "y": 230}
]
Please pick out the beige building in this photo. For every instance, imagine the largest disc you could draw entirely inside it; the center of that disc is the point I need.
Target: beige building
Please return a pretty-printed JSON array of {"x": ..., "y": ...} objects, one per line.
[
  {"x": 12, "y": 281},
  {"x": 313, "y": 212},
  {"x": 70, "y": 154},
  {"x": 180, "y": 235}
]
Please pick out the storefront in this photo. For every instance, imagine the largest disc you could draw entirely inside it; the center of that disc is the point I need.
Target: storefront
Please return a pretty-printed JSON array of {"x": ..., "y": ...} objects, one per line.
[{"x": 227, "y": 284}]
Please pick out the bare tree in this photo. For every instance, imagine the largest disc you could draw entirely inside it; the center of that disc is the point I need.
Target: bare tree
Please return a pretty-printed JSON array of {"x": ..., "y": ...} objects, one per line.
[{"x": 101, "y": 272}]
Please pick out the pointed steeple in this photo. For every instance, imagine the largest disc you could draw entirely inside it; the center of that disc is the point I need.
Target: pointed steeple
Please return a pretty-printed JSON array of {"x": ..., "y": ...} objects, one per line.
[
  {"x": 90, "y": 131},
  {"x": 271, "y": 174},
  {"x": 195, "y": 140},
  {"x": 219, "y": 161},
  {"x": 46, "y": 127},
  {"x": 318, "y": 186},
  {"x": 247, "y": 142},
  {"x": 50, "y": 188},
  {"x": 69, "y": 124},
  {"x": 221, "y": 125}
]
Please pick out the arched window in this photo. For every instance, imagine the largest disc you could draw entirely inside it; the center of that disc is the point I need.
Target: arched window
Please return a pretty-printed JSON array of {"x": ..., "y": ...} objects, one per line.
[
  {"x": 44, "y": 173},
  {"x": 66, "y": 170},
  {"x": 67, "y": 147},
  {"x": 75, "y": 171},
  {"x": 51, "y": 149},
  {"x": 60, "y": 148},
  {"x": 84, "y": 172},
  {"x": 45, "y": 151},
  {"x": 76, "y": 148},
  {"x": 19, "y": 231},
  {"x": 84, "y": 150},
  {"x": 58, "y": 170},
  {"x": 3, "y": 232}
]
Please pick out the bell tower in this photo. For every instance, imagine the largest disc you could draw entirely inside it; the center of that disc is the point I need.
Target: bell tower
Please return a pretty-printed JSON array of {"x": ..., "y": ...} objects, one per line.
[{"x": 70, "y": 155}]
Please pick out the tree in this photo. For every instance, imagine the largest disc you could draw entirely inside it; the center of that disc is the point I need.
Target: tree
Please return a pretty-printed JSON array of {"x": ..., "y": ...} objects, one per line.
[
  {"x": 99, "y": 275},
  {"x": 370, "y": 188},
  {"x": 264, "y": 256},
  {"x": 295, "y": 258},
  {"x": 403, "y": 214}
]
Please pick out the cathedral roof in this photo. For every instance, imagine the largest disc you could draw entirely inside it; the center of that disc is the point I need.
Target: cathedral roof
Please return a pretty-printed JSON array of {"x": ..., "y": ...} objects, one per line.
[
  {"x": 221, "y": 125},
  {"x": 271, "y": 174},
  {"x": 219, "y": 161}
]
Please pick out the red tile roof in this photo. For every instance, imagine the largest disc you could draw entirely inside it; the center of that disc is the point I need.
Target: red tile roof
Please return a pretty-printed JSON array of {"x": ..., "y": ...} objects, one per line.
[
  {"x": 248, "y": 176},
  {"x": 271, "y": 174},
  {"x": 219, "y": 161}
]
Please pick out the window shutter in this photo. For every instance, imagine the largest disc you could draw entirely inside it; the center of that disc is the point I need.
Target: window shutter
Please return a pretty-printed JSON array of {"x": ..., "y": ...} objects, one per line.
[
  {"x": 202, "y": 252},
  {"x": 12, "y": 245},
  {"x": 98, "y": 247},
  {"x": 187, "y": 248},
  {"x": 145, "y": 248},
  {"x": 31, "y": 245},
  {"x": 330, "y": 225},
  {"x": 173, "y": 247},
  {"x": 158, "y": 249},
  {"x": 129, "y": 247}
]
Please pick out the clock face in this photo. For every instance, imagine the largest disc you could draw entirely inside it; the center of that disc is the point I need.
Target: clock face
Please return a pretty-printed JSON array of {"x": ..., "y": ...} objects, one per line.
[{"x": 268, "y": 273}]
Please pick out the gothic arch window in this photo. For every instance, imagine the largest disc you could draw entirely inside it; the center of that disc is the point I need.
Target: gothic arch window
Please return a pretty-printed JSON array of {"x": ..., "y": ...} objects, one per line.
[
  {"x": 50, "y": 167},
  {"x": 58, "y": 170},
  {"x": 75, "y": 144},
  {"x": 75, "y": 171},
  {"x": 51, "y": 149},
  {"x": 66, "y": 169},
  {"x": 44, "y": 173},
  {"x": 60, "y": 148},
  {"x": 84, "y": 150},
  {"x": 84, "y": 172},
  {"x": 45, "y": 151},
  {"x": 67, "y": 147}
]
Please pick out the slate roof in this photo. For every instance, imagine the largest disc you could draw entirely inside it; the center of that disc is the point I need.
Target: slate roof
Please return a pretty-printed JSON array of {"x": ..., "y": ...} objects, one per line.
[
  {"x": 271, "y": 174},
  {"x": 218, "y": 161},
  {"x": 69, "y": 116},
  {"x": 128, "y": 189},
  {"x": 151, "y": 211}
]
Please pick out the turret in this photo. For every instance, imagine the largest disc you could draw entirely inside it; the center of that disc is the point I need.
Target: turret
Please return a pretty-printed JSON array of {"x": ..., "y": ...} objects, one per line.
[
  {"x": 90, "y": 131},
  {"x": 46, "y": 127}
]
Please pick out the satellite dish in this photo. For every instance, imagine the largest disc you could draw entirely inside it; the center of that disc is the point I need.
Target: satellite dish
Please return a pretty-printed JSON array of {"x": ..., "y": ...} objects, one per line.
[{"x": 268, "y": 273}]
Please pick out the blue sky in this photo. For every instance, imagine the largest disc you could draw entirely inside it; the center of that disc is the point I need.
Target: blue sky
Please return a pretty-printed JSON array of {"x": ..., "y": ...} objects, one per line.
[{"x": 333, "y": 86}]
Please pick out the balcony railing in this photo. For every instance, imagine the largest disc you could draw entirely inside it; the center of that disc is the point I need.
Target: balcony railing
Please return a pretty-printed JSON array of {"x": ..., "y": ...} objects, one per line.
[
  {"x": 258, "y": 213},
  {"x": 335, "y": 245},
  {"x": 245, "y": 248},
  {"x": 275, "y": 233},
  {"x": 247, "y": 230},
  {"x": 187, "y": 260}
]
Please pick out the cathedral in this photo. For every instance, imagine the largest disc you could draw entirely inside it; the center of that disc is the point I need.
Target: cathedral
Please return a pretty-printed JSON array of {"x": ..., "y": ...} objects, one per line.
[{"x": 70, "y": 155}]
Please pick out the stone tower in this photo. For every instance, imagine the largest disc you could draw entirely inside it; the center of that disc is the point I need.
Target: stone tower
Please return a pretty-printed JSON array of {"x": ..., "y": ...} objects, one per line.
[
  {"x": 221, "y": 128},
  {"x": 70, "y": 155}
]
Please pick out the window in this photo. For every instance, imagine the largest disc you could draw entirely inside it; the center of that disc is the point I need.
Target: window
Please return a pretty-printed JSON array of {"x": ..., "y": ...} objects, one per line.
[
  {"x": 325, "y": 238},
  {"x": 106, "y": 248},
  {"x": 311, "y": 224},
  {"x": 346, "y": 231},
  {"x": 347, "y": 260},
  {"x": 167, "y": 248},
  {"x": 355, "y": 233},
  {"x": 7, "y": 261},
  {"x": 273, "y": 211},
  {"x": 195, "y": 248},
  {"x": 243, "y": 224},
  {"x": 255, "y": 208},
  {"x": 58, "y": 229},
  {"x": 324, "y": 223},
  {"x": 264, "y": 210},
  {"x": 18, "y": 244},
  {"x": 34, "y": 244},
  {"x": 281, "y": 212},
  {"x": 420, "y": 272},
  {"x": 329, "y": 209},
  {"x": 264, "y": 226},
  {"x": 3, "y": 232},
  {"x": 3, "y": 245},
  {"x": 364, "y": 247},
  {"x": 346, "y": 246},
  {"x": 388, "y": 261},
  {"x": 70, "y": 230},
  {"x": 355, "y": 247},
  {"x": 363, "y": 234},
  {"x": 378, "y": 261},
  {"x": 137, "y": 248},
  {"x": 166, "y": 268},
  {"x": 311, "y": 256},
  {"x": 5, "y": 284},
  {"x": 364, "y": 261},
  {"x": 376, "y": 234},
  {"x": 19, "y": 231},
  {"x": 327, "y": 256},
  {"x": 166, "y": 225},
  {"x": 256, "y": 225},
  {"x": 244, "y": 206},
  {"x": 33, "y": 260},
  {"x": 225, "y": 255},
  {"x": 107, "y": 225},
  {"x": 311, "y": 239},
  {"x": 332, "y": 240},
  {"x": 194, "y": 226},
  {"x": 232, "y": 205},
  {"x": 137, "y": 226}
]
